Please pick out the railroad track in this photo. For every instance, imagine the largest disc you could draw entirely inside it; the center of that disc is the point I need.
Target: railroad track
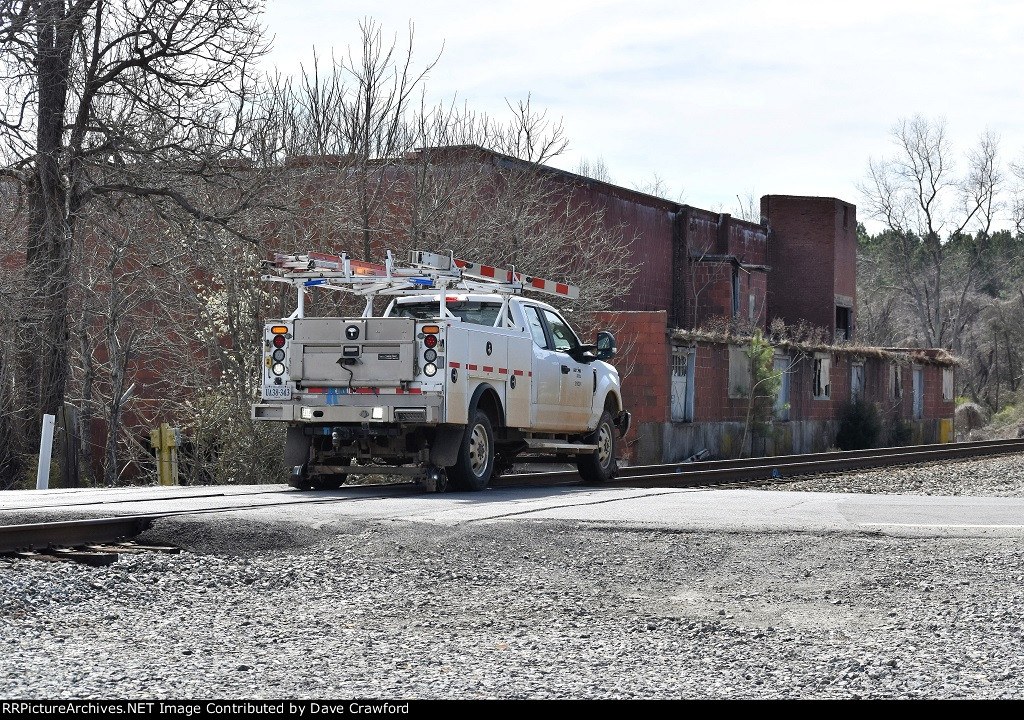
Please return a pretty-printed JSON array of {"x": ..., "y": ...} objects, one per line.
[
  {"x": 756, "y": 471},
  {"x": 100, "y": 535}
]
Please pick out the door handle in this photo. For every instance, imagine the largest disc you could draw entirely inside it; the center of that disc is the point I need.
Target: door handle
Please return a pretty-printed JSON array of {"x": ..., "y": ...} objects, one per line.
[{"x": 565, "y": 369}]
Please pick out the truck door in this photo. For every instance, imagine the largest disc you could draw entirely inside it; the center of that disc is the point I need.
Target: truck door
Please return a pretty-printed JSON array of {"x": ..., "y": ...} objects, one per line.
[
  {"x": 546, "y": 389},
  {"x": 576, "y": 379}
]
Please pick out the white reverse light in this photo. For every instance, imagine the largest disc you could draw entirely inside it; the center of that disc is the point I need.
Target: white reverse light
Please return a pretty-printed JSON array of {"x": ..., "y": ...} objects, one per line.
[
  {"x": 378, "y": 413},
  {"x": 430, "y": 369}
]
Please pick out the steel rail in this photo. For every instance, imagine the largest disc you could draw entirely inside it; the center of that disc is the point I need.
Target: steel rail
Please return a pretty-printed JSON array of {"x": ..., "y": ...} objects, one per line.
[
  {"x": 783, "y": 468},
  {"x": 89, "y": 531},
  {"x": 980, "y": 446},
  {"x": 780, "y": 466},
  {"x": 71, "y": 533}
]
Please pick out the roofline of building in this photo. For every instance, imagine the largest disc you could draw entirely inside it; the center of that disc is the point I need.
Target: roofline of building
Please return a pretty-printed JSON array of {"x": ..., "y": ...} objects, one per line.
[
  {"x": 654, "y": 200},
  {"x": 927, "y": 356},
  {"x": 809, "y": 197}
]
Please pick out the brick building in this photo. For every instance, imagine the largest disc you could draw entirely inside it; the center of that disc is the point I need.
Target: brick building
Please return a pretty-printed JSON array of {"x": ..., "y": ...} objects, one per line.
[{"x": 707, "y": 280}]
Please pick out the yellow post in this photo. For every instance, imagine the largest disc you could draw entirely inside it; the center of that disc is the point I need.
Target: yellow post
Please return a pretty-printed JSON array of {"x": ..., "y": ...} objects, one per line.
[
  {"x": 166, "y": 440},
  {"x": 946, "y": 430}
]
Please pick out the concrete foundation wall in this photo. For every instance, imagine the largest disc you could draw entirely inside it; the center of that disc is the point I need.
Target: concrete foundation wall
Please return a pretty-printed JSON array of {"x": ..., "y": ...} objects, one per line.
[{"x": 669, "y": 442}]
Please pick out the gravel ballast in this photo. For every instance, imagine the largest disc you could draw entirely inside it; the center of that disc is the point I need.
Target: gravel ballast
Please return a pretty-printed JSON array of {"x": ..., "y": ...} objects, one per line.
[{"x": 530, "y": 609}]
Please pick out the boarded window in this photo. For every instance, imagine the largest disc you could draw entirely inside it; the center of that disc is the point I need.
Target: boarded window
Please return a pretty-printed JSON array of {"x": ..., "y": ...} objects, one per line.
[
  {"x": 739, "y": 371},
  {"x": 822, "y": 384},
  {"x": 856, "y": 382},
  {"x": 947, "y": 384},
  {"x": 682, "y": 384},
  {"x": 895, "y": 381},
  {"x": 918, "y": 393},
  {"x": 782, "y": 366}
]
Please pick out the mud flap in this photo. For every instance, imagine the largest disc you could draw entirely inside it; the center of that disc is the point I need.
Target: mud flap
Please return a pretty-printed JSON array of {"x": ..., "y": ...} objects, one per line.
[
  {"x": 296, "y": 446},
  {"x": 444, "y": 451},
  {"x": 622, "y": 423}
]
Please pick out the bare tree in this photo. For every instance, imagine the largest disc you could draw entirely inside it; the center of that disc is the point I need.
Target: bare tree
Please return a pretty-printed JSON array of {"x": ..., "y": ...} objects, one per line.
[
  {"x": 598, "y": 169},
  {"x": 659, "y": 187},
  {"x": 880, "y": 320},
  {"x": 927, "y": 208},
  {"x": 748, "y": 207},
  {"x": 1017, "y": 197},
  {"x": 416, "y": 175},
  {"x": 350, "y": 121},
  {"x": 481, "y": 188},
  {"x": 121, "y": 340},
  {"x": 103, "y": 98},
  {"x": 219, "y": 312}
]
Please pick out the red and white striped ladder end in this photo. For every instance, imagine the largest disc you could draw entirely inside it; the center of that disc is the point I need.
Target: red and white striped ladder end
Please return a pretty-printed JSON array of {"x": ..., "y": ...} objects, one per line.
[{"x": 530, "y": 283}]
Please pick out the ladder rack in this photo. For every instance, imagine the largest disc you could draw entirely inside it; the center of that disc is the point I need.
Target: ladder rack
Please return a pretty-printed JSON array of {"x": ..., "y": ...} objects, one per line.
[{"x": 428, "y": 273}]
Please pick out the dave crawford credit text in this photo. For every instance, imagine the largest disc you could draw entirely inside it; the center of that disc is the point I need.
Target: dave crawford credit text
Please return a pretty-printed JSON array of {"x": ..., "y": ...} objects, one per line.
[{"x": 187, "y": 709}]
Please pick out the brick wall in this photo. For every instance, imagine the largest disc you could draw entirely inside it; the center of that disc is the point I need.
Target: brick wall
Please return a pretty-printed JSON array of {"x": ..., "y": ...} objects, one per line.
[
  {"x": 643, "y": 365},
  {"x": 712, "y": 241},
  {"x": 812, "y": 252}
]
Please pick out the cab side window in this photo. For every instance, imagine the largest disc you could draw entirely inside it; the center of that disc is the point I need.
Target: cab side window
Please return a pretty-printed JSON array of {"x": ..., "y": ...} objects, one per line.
[
  {"x": 565, "y": 338},
  {"x": 536, "y": 326}
]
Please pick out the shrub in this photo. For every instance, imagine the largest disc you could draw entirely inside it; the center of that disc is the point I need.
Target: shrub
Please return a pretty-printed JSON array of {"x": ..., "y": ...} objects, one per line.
[
  {"x": 898, "y": 432},
  {"x": 860, "y": 426},
  {"x": 969, "y": 416}
]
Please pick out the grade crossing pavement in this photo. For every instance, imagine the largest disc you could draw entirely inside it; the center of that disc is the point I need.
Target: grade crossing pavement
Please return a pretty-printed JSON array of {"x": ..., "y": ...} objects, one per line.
[{"x": 728, "y": 510}]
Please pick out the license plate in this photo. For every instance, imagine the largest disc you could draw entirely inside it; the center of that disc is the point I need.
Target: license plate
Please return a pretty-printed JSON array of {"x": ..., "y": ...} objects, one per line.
[{"x": 277, "y": 392}]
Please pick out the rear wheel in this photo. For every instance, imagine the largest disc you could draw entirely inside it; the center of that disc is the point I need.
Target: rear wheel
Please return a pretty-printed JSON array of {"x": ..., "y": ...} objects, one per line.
[
  {"x": 475, "y": 462},
  {"x": 600, "y": 465}
]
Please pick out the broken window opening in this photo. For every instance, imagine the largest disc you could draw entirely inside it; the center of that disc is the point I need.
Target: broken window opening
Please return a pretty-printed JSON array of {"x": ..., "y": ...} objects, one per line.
[
  {"x": 918, "y": 383},
  {"x": 822, "y": 385},
  {"x": 895, "y": 381},
  {"x": 856, "y": 382},
  {"x": 844, "y": 329},
  {"x": 735, "y": 291},
  {"x": 682, "y": 384}
]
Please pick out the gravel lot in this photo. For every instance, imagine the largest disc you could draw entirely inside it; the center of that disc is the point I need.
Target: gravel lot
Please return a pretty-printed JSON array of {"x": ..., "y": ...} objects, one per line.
[{"x": 532, "y": 610}]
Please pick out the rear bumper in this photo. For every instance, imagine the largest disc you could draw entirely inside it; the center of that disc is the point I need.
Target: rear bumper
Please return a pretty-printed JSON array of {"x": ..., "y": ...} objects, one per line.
[{"x": 357, "y": 409}]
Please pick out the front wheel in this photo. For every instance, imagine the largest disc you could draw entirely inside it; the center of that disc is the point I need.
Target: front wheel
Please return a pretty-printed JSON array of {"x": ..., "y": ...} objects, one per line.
[
  {"x": 475, "y": 462},
  {"x": 600, "y": 465}
]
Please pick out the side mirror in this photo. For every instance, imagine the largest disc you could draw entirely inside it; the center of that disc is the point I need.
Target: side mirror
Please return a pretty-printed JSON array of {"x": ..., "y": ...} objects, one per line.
[{"x": 606, "y": 347}]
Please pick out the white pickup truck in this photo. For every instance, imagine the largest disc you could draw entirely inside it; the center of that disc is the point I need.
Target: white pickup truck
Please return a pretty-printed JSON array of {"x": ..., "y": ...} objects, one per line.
[{"x": 457, "y": 379}]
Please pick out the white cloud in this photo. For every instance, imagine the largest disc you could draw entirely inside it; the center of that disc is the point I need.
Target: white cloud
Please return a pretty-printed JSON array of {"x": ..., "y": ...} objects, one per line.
[{"x": 717, "y": 98}]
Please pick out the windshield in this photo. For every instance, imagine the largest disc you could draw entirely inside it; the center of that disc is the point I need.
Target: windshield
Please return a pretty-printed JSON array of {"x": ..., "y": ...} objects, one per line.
[{"x": 478, "y": 313}]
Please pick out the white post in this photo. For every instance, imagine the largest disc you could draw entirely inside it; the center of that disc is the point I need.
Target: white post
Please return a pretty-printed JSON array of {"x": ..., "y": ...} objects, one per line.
[{"x": 45, "y": 447}]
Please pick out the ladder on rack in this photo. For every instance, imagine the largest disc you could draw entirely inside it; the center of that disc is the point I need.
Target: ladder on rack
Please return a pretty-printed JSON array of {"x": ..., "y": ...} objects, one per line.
[{"x": 427, "y": 272}]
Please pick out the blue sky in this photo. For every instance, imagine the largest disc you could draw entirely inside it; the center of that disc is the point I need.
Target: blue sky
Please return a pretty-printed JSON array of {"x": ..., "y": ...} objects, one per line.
[{"x": 717, "y": 99}]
